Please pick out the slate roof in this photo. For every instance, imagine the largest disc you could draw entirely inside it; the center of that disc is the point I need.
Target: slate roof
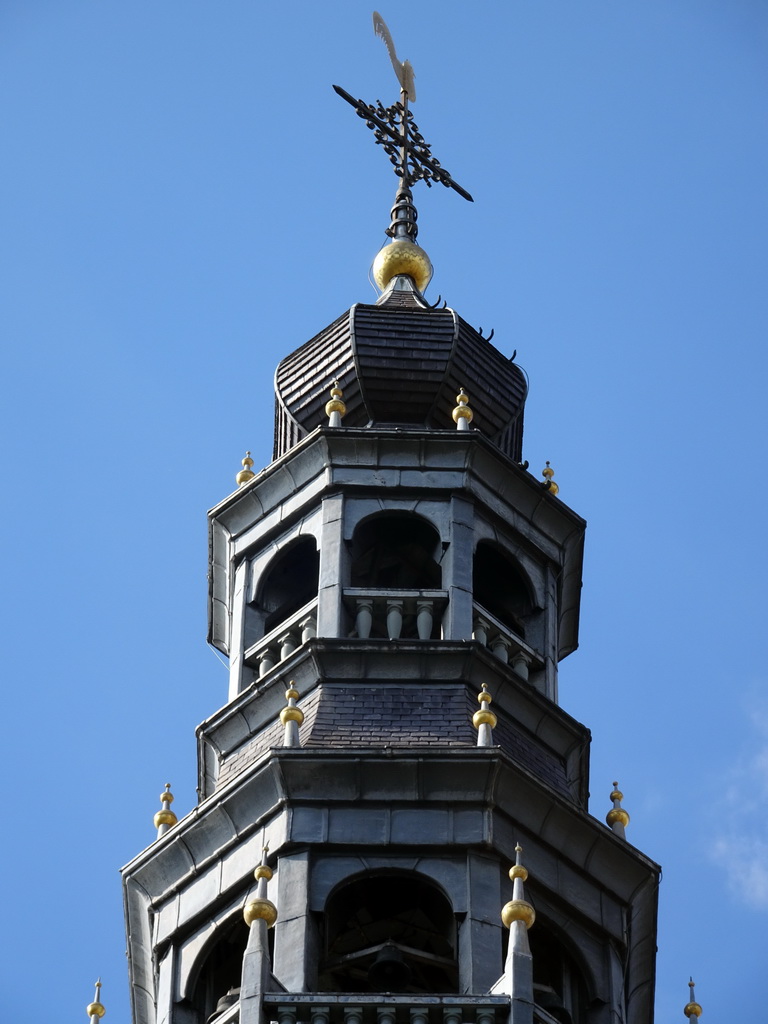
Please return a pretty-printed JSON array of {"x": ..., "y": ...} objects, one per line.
[
  {"x": 341, "y": 715},
  {"x": 400, "y": 363}
]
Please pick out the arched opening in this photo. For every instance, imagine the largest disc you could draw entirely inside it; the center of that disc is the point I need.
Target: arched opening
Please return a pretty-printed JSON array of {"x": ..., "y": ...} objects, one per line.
[
  {"x": 218, "y": 983},
  {"x": 389, "y": 932},
  {"x": 290, "y": 582},
  {"x": 396, "y": 550},
  {"x": 500, "y": 587},
  {"x": 558, "y": 983}
]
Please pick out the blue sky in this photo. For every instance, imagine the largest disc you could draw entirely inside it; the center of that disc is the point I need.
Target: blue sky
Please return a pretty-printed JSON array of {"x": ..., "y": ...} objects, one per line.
[{"x": 183, "y": 201}]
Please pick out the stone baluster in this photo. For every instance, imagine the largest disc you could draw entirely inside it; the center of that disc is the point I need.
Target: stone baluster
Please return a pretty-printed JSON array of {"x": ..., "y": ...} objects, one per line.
[
  {"x": 385, "y": 1015},
  {"x": 320, "y": 1014},
  {"x": 364, "y": 618},
  {"x": 286, "y": 1014},
  {"x": 266, "y": 661},
  {"x": 452, "y": 1015},
  {"x": 500, "y": 647},
  {"x": 394, "y": 619},
  {"x": 308, "y": 627},
  {"x": 520, "y": 663},
  {"x": 419, "y": 1015},
  {"x": 424, "y": 616},
  {"x": 486, "y": 1015},
  {"x": 480, "y": 630},
  {"x": 288, "y": 644},
  {"x": 353, "y": 1015}
]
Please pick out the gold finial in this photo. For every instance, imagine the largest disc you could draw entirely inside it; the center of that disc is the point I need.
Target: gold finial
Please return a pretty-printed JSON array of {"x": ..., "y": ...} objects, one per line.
[
  {"x": 246, "y": 473},
  {"x": 484, "y": 716},
  {"x": 692, "y": 1008},
  {"x": 260, "y": 908},
  {"x": 95, "y": 1009},
  {"x": 291, "y": 713},
  {"x": 291, "y": 717},
  {"x": 548, "y": 473},
  {"x": 263, "y": 870},
  {"x": 336, "y": 408},
  {"x": 462, "y": 414},
  {"x": 617, "y": 817},
  {"x": 518, "y": 909},
  {"x": 165, "y": 818},
  {"x": 517, "y": 870},
  {"x": 402, "y": 256}
]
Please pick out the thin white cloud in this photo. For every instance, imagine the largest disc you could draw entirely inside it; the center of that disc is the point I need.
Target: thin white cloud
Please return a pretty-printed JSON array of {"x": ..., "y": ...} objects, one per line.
[
  {"x": 743, "y": 812},
  {"x": 746, "y": 860}
]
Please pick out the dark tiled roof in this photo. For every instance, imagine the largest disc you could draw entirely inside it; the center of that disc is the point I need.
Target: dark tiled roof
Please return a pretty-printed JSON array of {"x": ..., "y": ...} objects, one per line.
[
  {"x": 400, "y": 363},
  {"x": 343, "y": 715}
]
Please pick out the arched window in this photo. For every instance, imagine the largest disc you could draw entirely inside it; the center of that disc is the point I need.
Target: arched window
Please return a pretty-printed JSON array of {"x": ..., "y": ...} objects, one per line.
[
  {"x": 218, "y": 983},
  {"x": 499, "y": 586},
  {"x": 389, "y": 932},
  {"x": 290, "y": 582},
  {"x": 559, "y": 985},
  {"x": 396, "y": 550}
]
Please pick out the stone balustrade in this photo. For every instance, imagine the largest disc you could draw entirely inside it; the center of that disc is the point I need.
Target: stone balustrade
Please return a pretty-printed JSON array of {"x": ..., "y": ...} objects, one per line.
[
  {"x": 396, "y": 614},
  {"x": 500, "y": 639},
  {"x": 357, "y": 1008},
  {"x": 281, "y": 642},
  {"x": 333, "y": 1008}
]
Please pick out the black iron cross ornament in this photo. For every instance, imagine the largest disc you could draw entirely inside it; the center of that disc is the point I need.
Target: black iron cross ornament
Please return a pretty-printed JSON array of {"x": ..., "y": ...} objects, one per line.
[{"x": 394, "y": 128}]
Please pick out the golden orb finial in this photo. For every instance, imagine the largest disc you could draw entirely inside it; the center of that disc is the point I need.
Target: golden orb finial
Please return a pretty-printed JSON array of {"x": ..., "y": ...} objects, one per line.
[
  {"x": 95, "y": 1009},
  {"x": 260, "y": 908},
  {"x": 165, "y": 818},
  {"x": 462, "y": 414},
  {"x": 617, "y": 817},
  {"x": 518, "y": 908},
  {"x": 290, "y": 712},
  {"x": 517, "y": 870},
  {"x": 402, "y": 257},
  {"x": 548, "y": 474},
  {"x": 246, "y": 473},
  {"x": 484, "y": 717},
  {"x": 692, "y": 1008},
  {"x": 335, "y": 409},
  {"x": 291, "y": 717}
]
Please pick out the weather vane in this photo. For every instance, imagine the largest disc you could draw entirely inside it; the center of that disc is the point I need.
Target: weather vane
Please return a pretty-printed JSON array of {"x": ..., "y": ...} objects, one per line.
[{"x": 394, "y": 129}]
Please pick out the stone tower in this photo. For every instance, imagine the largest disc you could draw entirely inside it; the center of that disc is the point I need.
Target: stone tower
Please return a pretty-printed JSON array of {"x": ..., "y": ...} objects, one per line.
[{"x": 392, "y": 571}]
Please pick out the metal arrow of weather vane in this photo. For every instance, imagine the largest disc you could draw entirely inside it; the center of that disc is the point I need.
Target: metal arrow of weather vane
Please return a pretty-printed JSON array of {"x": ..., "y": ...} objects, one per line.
[{"x": 394, "y": 129}]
